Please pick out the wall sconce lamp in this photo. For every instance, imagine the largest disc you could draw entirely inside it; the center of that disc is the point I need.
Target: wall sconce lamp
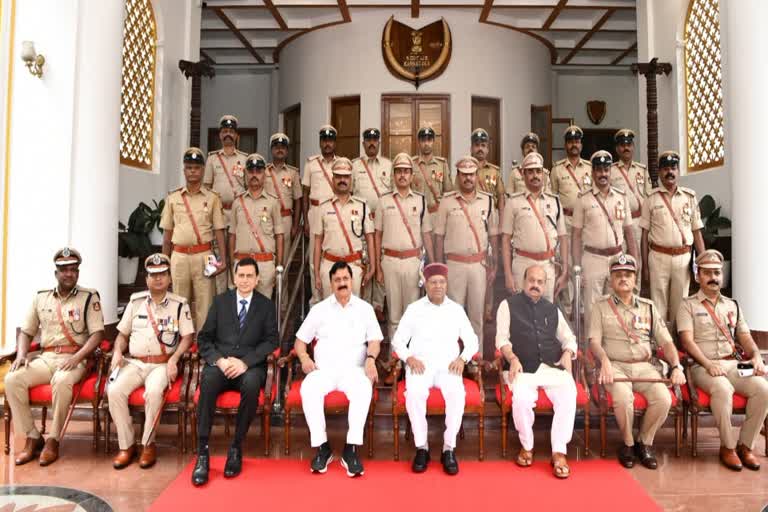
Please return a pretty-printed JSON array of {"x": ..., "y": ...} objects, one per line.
[{"x": 32, "y": 59}]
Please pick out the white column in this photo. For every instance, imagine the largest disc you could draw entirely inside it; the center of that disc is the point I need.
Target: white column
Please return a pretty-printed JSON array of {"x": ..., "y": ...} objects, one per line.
[{"x": 745, "y": 50}]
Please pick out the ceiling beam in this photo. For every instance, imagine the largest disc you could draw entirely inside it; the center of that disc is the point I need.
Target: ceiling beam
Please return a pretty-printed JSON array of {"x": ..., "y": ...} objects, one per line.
[
  {"x": 486, "y": 11},
  {"x": 206, "y": 56},
  {"x": 276, "y": 14},
  {"x": 584, "y": 40},
  {"x": 344, "y": 10},
  {"x": 415, "y": 8},
  {"x": 224, "y": 18},
  {"x": 554, "y": 14},
  {"x": 624, "y": 53}
]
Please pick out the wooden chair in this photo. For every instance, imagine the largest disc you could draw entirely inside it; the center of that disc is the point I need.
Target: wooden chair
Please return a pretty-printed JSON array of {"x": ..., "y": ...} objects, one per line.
[
  {"x": 336, "y": 402},
  {"x": 543, "y": 403},
  {"x": 474, "y": 404},
  {"x": 228, "y": 402},
  {"x": 88, "y": 391}
]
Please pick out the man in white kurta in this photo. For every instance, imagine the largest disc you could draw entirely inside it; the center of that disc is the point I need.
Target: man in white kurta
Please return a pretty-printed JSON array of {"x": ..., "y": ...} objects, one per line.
[
  {"x": 427, "y": 339},
  {"x": 538, "y": 344},
  {"x": 348, "y": 341}
]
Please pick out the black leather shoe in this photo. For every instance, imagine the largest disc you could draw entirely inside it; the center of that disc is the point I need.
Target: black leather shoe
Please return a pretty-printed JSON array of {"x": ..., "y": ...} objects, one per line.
[
  {"x": 450, "y": 464},
  {"x": 200, "y": 473},
  {"x": 234, "y": 462},
  {"x": 420, "y": 461},
  {"x": 351, "y": 461},
  {"x": 323, "y": 457},
  {"x": 646, "y": 455},
  {"x": 627, "y": 456}
]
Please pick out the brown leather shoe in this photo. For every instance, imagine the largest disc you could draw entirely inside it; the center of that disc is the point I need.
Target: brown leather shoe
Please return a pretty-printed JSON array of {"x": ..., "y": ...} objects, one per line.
[
  {"x": 729, "y": 458},
  {"x": 50, "y": 452},
  {"x": 747, "y": 457},
  {"x": 124, "y": 457},
  {"x": 148, "y": 456},
  {"x": 31, "y": 450}
]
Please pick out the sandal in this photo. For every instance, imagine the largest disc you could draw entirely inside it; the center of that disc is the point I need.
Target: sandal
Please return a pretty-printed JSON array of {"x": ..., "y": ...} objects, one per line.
[
  {"x": 524, "y": 458},
  {"x": 560, "y": 466}
]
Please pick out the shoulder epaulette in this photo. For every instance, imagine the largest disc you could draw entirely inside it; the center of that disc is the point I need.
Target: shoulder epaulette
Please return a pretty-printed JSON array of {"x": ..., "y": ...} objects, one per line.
[
  {"x": 583, "y": 193},
  {"x": 493, "y": 166},
  {"x": 483, "y": 192},
  {"x": 385, "y": 159},
  {"x": 618, "y": 191},
  {"x": 330, "y": 199},
  {"x": 518, "y": 194},
  {"x": 356, "y": 159},
  {"x": 586, "y": 162},
  {"x": 388, "y": 193},
  {"x": 177, "y": 298},
  {"x": 176, "y": 190},
  {"x": 359, "y": 199},
  {"x": 314, "y": 157},
  {"x": 561, "y": 162},
  {"x": 44, "y": 291},
  {"x": 656, "y": 190},
  {"x": 642, "y": 166},
  {"x": 287, "y": 166},
  {"x": 439, "y": 158},
  {"x": 644, "y": 300},
  {"x": 449, "y": 194},
  {"x": 215, "y": 151},
  {"x": 139, "y": 295},
  {"x": 688, "y": 191},
  {"x": 241, "y": 152},
  {"x": 550, "y": 194}
]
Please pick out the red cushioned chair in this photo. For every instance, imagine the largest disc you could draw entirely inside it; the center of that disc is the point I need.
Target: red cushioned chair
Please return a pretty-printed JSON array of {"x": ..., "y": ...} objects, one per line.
[
  {"x": 176, "y": 399},
  {"x": 699, "y": 401},
  {"x": 336, "y": 402},
  {"x": 543, "y": 404},
  {"x": 90, "y": 387},
  {"x": 228, "y": 401},
  {"x": 474, "y": 401}
]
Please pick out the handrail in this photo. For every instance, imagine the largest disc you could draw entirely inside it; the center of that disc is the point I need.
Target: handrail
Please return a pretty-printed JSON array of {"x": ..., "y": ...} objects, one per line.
[{"x": 299, "y": 285}]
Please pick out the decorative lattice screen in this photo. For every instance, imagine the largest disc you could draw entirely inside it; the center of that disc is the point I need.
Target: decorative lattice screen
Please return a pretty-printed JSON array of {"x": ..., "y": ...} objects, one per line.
[
  {"x": 138, "y": 87},
  {"x": 703, "y": 85}
]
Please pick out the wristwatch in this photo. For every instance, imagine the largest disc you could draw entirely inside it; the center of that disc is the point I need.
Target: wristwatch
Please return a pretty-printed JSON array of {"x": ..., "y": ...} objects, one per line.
[{"x": 678, "y": 366}]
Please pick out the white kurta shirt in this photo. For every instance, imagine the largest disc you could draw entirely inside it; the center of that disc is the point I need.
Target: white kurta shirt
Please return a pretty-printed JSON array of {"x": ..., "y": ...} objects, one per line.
[
  {"x": 342, "y": 332},
  {"x": 564, "y": 334},
  {"x": 430, "y": 333}
]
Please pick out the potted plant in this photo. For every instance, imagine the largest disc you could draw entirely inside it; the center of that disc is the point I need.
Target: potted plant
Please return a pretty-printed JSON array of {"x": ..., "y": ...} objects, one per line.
[
  {"x": 133, "y": 243},
  {"x": 713, "y": 237},
  {"x": 154, "y": 214}
]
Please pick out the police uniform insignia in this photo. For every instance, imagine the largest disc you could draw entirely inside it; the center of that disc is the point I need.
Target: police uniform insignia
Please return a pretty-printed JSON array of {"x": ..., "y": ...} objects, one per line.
[
  {"x": 623, "y": 259},
  {"x": 731, "y": 321},
  {"x": 370, "y": 215},
  {"x": 619, "y": 211},
  {"x": 587, "y": 180},
  {"x": 66, "y": 253},
  {"x": 205, "y": 207},
  {"x": 640, "y": 179},
  {"x": 156, "y": 260},
  {"x": 187, "y": 315},
  {"x": 97, "y": 306},
  {"x": 287, "y": 181},
  {"x": 264, "y": 216},
  {"x": 687, "y": 212}
]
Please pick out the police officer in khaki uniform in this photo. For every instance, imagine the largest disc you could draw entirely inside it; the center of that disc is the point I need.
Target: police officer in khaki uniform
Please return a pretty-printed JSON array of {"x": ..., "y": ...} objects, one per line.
[
  {"x": 157, "y": 330},
  {"x": 283, "y": 182},
  {"x": 224, "y": 174},
  {"x": 191, "y": 218},
  {"x": 516, "y": 179},
  {"x": 71, "y": 326},
  {"x": 466, "y": 239},
  {"x": 711, "y": 326},
  {"x": 671, "y": 223},
  {"x": 343, "y": 228},
  {"x": 620, "y": 333},
  {"x": 316, "y": 181},
  {"x": 403, "y": 239},
  {"x": 601, "y": 222},
  {"x": 431, "y": 173},
  {"x": 632, "y": 178},
  {"x": 257, "y": 228},
  {"x": 534, "y": 224},
  {"x": 372, "y": 178}
]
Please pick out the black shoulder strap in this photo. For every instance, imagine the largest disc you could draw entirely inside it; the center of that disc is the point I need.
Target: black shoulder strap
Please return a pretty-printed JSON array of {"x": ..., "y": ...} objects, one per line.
[
  {"x": 85, "y": 311},
  {"x": 423, "y": 209},
  {"x": 738, "y": 317}
]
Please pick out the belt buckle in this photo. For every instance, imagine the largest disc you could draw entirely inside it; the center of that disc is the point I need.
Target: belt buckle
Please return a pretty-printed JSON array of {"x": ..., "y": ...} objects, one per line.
[{"x": 57, "y": 349}]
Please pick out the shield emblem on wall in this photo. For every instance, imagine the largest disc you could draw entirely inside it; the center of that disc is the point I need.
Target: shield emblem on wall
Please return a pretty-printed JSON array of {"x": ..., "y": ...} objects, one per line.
[
  {"x": 596, "y": 111},
  {"x": 416, "y": 55}
]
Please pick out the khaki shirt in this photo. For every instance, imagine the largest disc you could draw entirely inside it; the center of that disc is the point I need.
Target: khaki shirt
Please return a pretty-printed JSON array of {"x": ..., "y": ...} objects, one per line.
[
  {"x": 661, "y": 226},
  {"x": 516, "y": 181},
  {"x": 521, "y": 223},
  {"x": 588, "y": 216},
  {"x": 227, "y": 180},
  {"x": 635, "y": 182},
  {"x": 490, "y": 180},
  {"x": 388, "y": 220},
  {"x": 172, "y": 317},
  {"x": 438, "y": 174},
  {"x": 206, "y": 210},
  {"x": 381, "y": 170},
  {"x": 641, "y": 318},
  {"x": 694, "y": 317},
  {"x": 80, "y": 310},
  {"x": 265, "y": 214},
  {"x": 357, "y": 219},
  {"x": 319, "y": 188},
  {"x": 563, "y": 184},
  {"x": 452, "y": 223},
  {"x": 288, "y": 185}
]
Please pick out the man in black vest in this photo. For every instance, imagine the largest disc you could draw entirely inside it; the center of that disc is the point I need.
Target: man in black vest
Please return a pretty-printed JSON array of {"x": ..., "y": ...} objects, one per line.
[{"x": 538, "y": 344}]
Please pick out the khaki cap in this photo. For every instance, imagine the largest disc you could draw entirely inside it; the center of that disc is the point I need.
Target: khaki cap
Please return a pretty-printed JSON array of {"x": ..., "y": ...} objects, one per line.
[
  {"x": 342, "y": 167},
  {"x": 532, "y": 160},
  {"x": 194, "y": 156},
  {"x": 228, "y": 121},
  {"x": 156, "y": 263},
  {"x": 573, "y": 132},
  {"x": 623, "y": 262},
  {"x": 480, "y": 135},
  {"x": 67, "y": 256},
  {"x": 467, "y": 165},
  {"x": 402, "y": 161},
  {"x": 371, "y": 133},
  {"x": 279, "y": 138},
  {"x": 624, "y": 136},
  {"x": 601, "y": 158},
  {"x": 710, "y": 259},
  {"x": 669, "y": 159},
  {"x": 255, "y": 161},
  {"x": 530, "y": 137},
  {"x": 327, "y": 132}
]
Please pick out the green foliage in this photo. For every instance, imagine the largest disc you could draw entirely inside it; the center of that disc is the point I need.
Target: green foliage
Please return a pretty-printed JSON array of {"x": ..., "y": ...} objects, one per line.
[
  {"x": 713, "y": 221},
  {"x": 133, "y": 239}
]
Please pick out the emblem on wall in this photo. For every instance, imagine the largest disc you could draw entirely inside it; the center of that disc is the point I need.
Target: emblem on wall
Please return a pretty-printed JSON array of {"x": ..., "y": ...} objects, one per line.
[
  {"x": 596, "y": 111},
  {"x": 416, "y": 55}
]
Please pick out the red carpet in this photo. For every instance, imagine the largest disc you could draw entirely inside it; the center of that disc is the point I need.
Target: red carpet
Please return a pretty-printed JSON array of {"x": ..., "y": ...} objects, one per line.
[{"x": 268, "y": 484}]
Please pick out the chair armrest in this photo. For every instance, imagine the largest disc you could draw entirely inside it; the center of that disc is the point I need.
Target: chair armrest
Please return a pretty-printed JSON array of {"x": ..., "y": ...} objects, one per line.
[{"x": 287, "y": 359}]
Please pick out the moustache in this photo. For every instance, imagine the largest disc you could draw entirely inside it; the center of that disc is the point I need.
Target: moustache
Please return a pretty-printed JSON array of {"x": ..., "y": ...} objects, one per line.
[
  {"x": 228, "y": 137},
  {"x": 713, "y": 281},
  {"x": 534, "y": 289},
  {"x": 669, "y": 175},
  {"x": 342, "y": 287}
]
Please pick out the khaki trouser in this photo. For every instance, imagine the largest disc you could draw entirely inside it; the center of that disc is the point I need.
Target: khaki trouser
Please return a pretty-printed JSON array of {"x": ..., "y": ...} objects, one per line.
[
  {"x": 656, "y": 393},
  {"x": 41, "y": 369},
  {"x": 565, "y": 299},
  {"x": 520, "y": 263},
  {"x": 267, "y": 277},
  {"x": 466, "y": 286},
  {"x": 287, "y": 223},
  {"x": 189, "y": 282},
  {"x": 154, "y": 378},
  {"x": 325, "y": 268},
  {"x": 401, "y": 281},
  {"x": 224, "y": 280},
  {"x": 637, "y": 231},
  {"x": 374, "y": 294},
  {"x": 721, "y": 390},
  {"x": 670, "y": 279},
  {"x": 596, "y": 272}
]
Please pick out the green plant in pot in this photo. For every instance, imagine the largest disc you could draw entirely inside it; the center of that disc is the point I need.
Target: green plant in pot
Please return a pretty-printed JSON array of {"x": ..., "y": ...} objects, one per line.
[
  {"x": 714, "y": 222},
  {"x": 133, "y": 242}
]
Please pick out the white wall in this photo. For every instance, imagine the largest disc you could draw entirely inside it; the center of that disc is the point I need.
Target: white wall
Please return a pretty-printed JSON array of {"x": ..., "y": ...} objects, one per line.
[{"x": 486, "y": 61}]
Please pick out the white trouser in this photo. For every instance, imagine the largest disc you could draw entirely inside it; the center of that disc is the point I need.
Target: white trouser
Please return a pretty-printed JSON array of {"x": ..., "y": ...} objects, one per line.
[
  {"x": 416, "y": 394},
  {"x": 350, "y": 381},
  {"x": 561, "y": 390}
]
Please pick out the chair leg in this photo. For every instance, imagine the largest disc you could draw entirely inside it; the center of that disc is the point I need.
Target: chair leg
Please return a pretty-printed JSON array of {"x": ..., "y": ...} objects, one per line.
[
  {"x": 107, "y": 425},
  {"x": 586, "y": 429},
  {"x": 395, "y": 432},
  {"x": 765, "y": 433},
  {"x": 678, "y": 433},
  {"x": 407, "y": 428},
  {"x": 193, "y": 429},
  {"x": 481, "y": 433},
  {"x": 287, "y": 432},
  {"x": 7, "y": 425},
  {"x": 95, "y": 425},
  {"x": 694, "y": 433},
  {"x": 461, "y": 432},
  {"x": 370, "y": 433},
  {"x": 182, "y": 431},
  {"x": 266, "y": 427},
  {"x": 504, "y": 428},
  {"x": 685, "y": 421},
  {"x": 603, "y": 440},
  {"x": 45, "y": 416}
]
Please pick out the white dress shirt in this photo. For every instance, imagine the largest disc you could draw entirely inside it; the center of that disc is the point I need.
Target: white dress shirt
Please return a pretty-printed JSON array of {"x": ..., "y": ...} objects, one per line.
[
  {"x": 564, "y": 333},
  {"x": 342, "y": 332},
  {"x": 247, "y": 300},
  {"x": 430, "y": 332}
]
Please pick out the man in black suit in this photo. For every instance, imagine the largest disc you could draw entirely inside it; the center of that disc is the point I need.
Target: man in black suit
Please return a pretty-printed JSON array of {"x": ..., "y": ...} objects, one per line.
[{"x": 239, "y": 333}]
